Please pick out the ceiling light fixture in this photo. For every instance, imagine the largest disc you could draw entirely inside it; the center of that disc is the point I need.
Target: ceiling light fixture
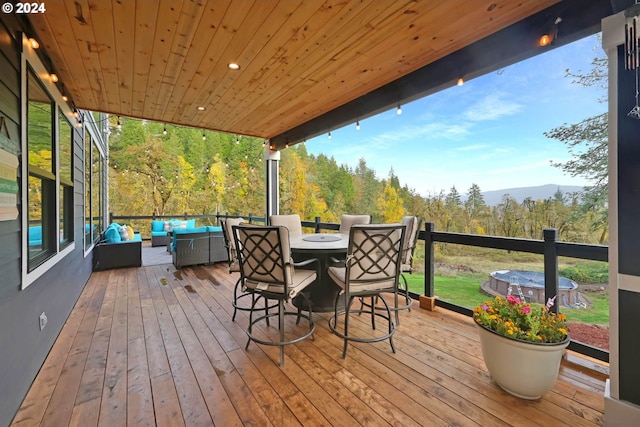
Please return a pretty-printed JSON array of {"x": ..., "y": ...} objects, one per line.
[
  {"x": 399, "y": 110},
  {"x": 233, "y": 66},
  {"x": 547, "y": 38}
]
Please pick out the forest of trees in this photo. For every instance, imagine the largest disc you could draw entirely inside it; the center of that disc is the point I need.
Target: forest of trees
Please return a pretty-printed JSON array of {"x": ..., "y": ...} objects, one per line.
[{"x": 184, "y": 170}]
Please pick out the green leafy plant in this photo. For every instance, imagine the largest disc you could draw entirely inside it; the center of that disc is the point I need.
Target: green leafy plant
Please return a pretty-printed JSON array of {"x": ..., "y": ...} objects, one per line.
[{"x": 520, "y": 320}]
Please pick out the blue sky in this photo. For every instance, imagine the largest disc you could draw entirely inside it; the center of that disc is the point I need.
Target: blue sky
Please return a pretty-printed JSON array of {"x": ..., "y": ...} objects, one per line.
[{"x": 488, "y": 131}]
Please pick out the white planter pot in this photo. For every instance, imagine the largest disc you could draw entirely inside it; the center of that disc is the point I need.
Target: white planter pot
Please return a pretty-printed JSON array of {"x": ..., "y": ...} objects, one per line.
[{"x": 523, "y": 369}]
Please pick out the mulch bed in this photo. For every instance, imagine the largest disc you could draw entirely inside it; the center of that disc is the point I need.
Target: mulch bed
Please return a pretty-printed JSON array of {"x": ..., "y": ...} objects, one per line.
[{"x": 594, "y": 335}]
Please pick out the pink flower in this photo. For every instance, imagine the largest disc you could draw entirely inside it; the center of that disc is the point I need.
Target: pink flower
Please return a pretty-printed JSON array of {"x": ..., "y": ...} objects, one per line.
[
  {"x": 513, "y": 300},
  {"x": 485, "y": 307},
  {"x": 526, "y": 309}
]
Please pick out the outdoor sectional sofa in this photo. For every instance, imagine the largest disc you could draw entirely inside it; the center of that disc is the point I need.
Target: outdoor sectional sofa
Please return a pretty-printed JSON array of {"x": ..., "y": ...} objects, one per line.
[
  {"x": 114, "y": 252},
  {"x": 202, "y": 245},
  {"x": 161, "y": 229}
]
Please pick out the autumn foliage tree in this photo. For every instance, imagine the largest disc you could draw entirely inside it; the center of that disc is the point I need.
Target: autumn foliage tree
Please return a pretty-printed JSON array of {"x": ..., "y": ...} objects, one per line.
[{"x": 180, "y": 172}]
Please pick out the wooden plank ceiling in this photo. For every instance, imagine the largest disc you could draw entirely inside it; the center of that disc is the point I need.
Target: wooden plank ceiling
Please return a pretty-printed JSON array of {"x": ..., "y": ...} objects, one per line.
[{"x": 299, "y": 59}]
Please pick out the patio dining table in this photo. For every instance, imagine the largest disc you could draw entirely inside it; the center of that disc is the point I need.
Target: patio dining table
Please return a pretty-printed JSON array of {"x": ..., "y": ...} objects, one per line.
[{"x": 322, "y": 294}]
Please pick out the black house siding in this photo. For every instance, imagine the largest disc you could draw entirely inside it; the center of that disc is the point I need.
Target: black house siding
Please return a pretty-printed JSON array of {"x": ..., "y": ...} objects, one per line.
[{"x": 23, "y": 347}]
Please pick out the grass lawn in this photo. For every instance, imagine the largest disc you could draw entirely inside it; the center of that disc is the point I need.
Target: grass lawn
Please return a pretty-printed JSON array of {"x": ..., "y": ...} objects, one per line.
[{"x": 463, "y": 289}]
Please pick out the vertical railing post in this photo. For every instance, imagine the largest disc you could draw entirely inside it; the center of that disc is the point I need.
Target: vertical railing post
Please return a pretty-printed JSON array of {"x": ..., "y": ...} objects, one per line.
[
  {"x": 317, "y": 224},
  {"x": 429, "y": 266},
  {"x": 551, "y": 275}
]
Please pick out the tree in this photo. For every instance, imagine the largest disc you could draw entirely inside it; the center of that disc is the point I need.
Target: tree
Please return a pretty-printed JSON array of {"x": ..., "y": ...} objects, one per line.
[
  {"x": 389, "y": 205},
  {"x": 474, "y": 209},
  {"x": 587, "y": 143}
]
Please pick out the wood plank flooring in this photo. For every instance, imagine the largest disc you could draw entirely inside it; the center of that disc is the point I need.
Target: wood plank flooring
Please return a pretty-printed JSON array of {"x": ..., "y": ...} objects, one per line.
[{"x": 155, "y": 346}]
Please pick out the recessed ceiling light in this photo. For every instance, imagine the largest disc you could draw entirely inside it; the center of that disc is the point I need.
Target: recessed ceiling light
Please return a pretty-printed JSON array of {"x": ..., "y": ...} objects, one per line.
[
  {"x": 234, "y": 66},
  {"x": 201, "y": 108}
]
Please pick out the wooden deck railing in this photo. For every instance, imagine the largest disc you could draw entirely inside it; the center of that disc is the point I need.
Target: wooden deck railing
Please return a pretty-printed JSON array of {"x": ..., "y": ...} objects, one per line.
[{"x": 549, "y": 247}]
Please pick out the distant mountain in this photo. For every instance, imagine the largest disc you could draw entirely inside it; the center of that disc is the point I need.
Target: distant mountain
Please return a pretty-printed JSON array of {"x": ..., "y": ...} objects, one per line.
[{"x": 542, "y": 192}]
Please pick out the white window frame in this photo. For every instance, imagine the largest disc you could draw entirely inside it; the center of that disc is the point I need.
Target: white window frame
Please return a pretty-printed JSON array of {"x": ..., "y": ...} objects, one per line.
[{"x": 30, "y": 59}]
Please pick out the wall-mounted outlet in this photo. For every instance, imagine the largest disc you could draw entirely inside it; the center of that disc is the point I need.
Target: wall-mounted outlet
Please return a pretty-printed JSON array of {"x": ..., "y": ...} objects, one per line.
[{"x": 43, "y": 320}]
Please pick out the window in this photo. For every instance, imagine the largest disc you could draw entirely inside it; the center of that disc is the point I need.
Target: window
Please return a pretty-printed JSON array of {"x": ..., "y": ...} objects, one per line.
[
  {"x": 65, "y": 204},
  {"x": 41, "y": 194},
  {"x": 47, "y": 171},
  {"x": 93, "y": 172}
]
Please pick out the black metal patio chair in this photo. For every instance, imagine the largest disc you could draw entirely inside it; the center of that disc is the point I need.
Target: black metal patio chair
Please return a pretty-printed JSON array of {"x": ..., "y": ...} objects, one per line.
[{"x": 267, "y": 270}]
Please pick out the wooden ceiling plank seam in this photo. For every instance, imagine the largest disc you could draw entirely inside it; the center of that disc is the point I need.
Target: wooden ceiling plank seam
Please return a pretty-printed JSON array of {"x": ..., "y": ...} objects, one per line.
[
  {"x": 269, "y": 52},
  {"x": 303, "y": 69},
  {"x": 124, "y": 18},
  {"x": 190, "y": 16},
  {"x": 242, "y": 35},
  {"x": 207, "y": 28},
  {"x": 165, "y": 27},
  {"x": 106, "y": 51},
  {"x": 55, "y": 49},
  {"x": 146, "y": 18},
  {"x": 327, "y": 48},
  {"x": 205, "y": 77},
  {"x": 316, "y": 31},
  {"x": 83, "y": 35},
  {"x": 69, "y": 75},
  {"x": 251, "y": 89},
  {"x": 231, "y": 22},
  {"x": 418, "y": 60},
  {"x": 496, "y": 19},
  {"x": 335, "y": 71},
  {"x": 235, "y": 50}
]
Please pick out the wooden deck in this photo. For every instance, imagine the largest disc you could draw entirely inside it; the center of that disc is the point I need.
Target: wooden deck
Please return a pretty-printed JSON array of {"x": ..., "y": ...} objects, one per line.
[{"x": 156, "y": 346}]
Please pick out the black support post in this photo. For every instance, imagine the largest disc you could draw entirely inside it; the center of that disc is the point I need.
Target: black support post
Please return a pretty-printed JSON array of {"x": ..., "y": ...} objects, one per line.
[
  {"x": 429, "y": 266},
  {"x": 551, "y": 275}
]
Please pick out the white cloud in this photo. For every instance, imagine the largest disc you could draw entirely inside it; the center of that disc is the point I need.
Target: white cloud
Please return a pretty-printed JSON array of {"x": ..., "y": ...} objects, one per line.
[
  {"x": 429, "y": 131},
  {"x": 492, "y": 107}
]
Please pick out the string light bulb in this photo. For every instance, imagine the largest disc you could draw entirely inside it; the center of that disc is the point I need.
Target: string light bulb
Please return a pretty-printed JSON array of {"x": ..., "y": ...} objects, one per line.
[
  {"x": 119, "y": 123},
  {"x": 329, "y": 135},
  {"x": 54, "y": 77},
  {"x": 357, "y": 124},
  {"x": 460, "y": 81},
  {"x": 34, "y": 43},
  {"x": 204, "y": 137},
  {"x": 545, "y": 40},
  {"x": 237, "y": 140},
  {"x": 164, "y": 131},
  {"x": 399, "y": 110}
]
